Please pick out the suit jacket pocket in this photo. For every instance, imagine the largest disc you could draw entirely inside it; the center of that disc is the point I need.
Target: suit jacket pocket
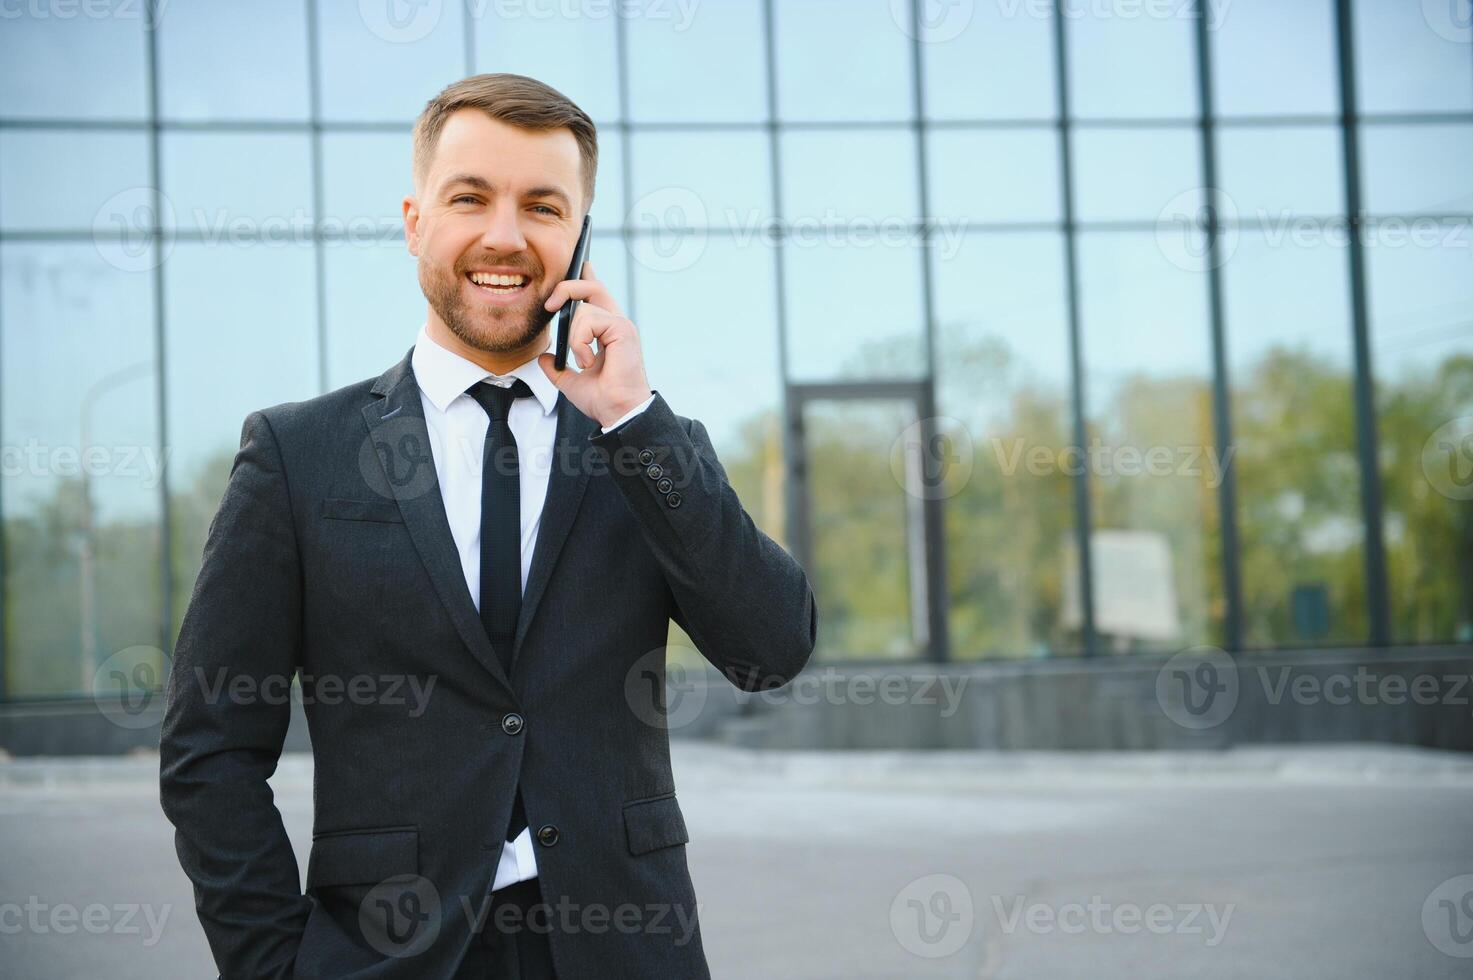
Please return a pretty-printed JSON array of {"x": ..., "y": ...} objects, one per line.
[
  {"x": 653, "y": 824},
  {"x": 353, "y": 857},
  {"x": 341, "y": 509}
]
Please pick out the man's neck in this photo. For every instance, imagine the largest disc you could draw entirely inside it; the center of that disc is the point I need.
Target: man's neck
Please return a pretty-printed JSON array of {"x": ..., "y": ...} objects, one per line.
[{"x": 496, "y": 363}]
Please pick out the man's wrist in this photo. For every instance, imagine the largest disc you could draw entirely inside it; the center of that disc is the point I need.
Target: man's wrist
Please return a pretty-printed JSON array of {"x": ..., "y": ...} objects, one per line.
[{"x": 630, "y": 413}]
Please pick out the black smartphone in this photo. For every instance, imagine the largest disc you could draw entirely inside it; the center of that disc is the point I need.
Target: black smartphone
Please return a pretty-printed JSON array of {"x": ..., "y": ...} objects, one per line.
[{"x": 565, "y": 315}]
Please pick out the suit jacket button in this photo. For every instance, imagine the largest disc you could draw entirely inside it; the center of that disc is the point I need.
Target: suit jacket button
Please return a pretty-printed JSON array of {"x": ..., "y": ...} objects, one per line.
[
  {"x": 664, "y": 486},
  {"x": 655, "y": 471},
  {"x": 511, "y": 723},
  {"x": 646, "y": 457},
  {"x": 547, "y": 835},
  {"x": 673, "y": 498}
]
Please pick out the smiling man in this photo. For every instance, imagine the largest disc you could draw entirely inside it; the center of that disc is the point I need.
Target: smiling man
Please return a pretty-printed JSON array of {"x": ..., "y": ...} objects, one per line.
[{"x": 510, "y": 540}]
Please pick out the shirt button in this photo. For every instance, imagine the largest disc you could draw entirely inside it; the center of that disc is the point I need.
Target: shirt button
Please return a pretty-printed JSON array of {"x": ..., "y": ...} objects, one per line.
[
  {"x": 646, "y": 457},
  {"x": 673, "y": 498},
  {"x": 511, "y": 723},
  {"x": 655, "y": 471},
  {"x": 665, "y": 486},
  {"x": 547, "y": 835}
]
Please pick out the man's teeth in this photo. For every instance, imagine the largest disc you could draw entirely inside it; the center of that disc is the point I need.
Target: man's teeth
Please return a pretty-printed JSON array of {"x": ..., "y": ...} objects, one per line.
[{"x": 487, "y": 279}]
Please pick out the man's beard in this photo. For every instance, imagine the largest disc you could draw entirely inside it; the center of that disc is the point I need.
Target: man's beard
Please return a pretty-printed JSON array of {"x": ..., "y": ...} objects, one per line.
[{"x": 495, "y": 329}]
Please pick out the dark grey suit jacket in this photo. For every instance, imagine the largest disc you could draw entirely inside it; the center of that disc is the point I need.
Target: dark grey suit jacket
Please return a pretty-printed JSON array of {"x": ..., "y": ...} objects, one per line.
[{"x": 331, "y": 556}]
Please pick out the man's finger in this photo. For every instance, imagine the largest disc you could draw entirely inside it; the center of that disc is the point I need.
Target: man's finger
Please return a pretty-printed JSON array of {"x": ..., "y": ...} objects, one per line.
[
  {"x": 589, "y": 322},
  {"x": 586, "y": 290}
]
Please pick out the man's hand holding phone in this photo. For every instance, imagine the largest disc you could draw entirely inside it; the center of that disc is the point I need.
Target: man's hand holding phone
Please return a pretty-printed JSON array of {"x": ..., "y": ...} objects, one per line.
[{"x": 612, "y": 381}]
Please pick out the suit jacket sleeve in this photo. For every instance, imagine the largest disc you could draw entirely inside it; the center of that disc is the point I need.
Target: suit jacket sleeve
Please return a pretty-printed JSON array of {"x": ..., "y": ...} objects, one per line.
[
  {"x": 217, "y": 748},
  {"x": 744, "y": 600}
]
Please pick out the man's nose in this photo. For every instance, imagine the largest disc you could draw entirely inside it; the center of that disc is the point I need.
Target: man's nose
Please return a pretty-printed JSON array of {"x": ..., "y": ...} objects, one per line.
[{"x": 503, "y": 231}]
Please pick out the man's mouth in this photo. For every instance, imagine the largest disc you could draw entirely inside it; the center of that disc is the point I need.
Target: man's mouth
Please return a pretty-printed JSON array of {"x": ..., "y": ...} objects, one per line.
[{"x": 500, "y": 285}]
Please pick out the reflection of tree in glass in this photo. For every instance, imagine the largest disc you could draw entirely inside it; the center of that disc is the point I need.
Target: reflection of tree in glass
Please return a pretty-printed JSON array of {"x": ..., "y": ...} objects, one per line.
[
  {"x": 1429, "y": 537},
  {"x": 1007, "y": 529},
  {"x": 43, "y": 638},
  {"x": 858, "y": 515},
  {"x": 1299, "y": 508},
  {"x": 1171, "y": 415}
]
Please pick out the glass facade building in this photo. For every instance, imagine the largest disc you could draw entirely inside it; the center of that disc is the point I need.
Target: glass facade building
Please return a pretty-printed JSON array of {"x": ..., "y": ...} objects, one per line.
[{"x": 1035, "y": 329}]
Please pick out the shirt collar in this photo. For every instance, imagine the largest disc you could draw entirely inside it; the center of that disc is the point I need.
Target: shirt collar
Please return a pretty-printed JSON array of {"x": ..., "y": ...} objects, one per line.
[{"x": 443, "y": 374}]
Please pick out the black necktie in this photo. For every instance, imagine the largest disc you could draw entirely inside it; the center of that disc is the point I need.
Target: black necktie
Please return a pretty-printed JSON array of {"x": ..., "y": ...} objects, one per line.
[
  {"x": 501, "y": 519},
  {"x": 501, "y": 536}
]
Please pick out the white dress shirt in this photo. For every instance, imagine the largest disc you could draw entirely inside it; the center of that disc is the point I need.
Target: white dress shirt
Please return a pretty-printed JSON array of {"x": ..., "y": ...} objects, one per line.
[{"x": 457, "y": 428}]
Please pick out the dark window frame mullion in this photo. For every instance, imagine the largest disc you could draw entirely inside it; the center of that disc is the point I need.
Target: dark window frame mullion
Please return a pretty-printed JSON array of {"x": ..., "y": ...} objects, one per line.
[
  {"x": 933, "y": 530},
  {"x": 1227, "y": 489},
  {"x": 795, "y": 527},
  {"x": 1372, "y": 516},
  {"x": 1082, "y": 517},
  {"x": 155, "y": 151}
]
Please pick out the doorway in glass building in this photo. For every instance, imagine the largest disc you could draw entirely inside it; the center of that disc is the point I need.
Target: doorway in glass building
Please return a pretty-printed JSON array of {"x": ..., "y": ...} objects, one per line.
[{"x": 867, "y": 518}]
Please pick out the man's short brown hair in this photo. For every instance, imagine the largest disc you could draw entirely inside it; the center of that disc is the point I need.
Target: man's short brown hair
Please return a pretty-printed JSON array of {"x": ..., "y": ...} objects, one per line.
[{"x": 513, "y": 99}]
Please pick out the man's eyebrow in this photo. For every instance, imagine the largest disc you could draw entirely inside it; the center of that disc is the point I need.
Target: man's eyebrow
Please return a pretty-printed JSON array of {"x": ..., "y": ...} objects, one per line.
[
  {"x": 553, "y": 192},
  {"x": 484, "y": 185},
  {"x": 479, "y": 183}
]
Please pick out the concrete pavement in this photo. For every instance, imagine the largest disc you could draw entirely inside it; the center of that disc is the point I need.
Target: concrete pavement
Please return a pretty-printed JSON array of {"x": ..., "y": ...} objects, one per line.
[{"x": 1296, "y": 862}]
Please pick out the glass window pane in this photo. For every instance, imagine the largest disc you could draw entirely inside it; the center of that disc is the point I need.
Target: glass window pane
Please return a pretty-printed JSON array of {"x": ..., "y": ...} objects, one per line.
[
  {"x": 1422, "y": 353},
  {"x": 83, "y": 465},
  {"x": 861, "y": 522},
  {"x": 852, "y": 225},
  {"x": 884, "y": 187},
  {"x": 1413, "y": 56},
  {"x": 242, "y": 59},
  {"x": 699, "y": 62},
  {"x": 701, "y": 179},
  {"x": 1003, "y": 375},
  {"x": 1153, "y": 463},
  {"x": 74, "y": 180},
  {"x": 520, "y": 37},
  {"x": 994, "y": 175},
  {"x": 381, "y": 62},
  {"x": 74, "y": 68},
  {"x": 226, "y": 360},
  {"x": 1417, "y": 169},
  {"x": 838, "y": 333},
  {"x": 609, "y": 208},
  {"x": 366, "y": 177},
  {"x": 989, "y": 61},
  {"x": 1291, "y": 366},
  {"x": 1129, "y": 67},
  {"x": 1273, "y": 174},
  {"x": 1133, "y": 175},
  {"x": 227, "y": 185},
  {"x": 1275, "y": 58},
  {"x": 840, "y": 60}
]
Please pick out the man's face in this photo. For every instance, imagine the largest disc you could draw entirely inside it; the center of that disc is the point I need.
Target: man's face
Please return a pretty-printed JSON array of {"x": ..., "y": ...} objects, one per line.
[{"x": 496, "y": 202}]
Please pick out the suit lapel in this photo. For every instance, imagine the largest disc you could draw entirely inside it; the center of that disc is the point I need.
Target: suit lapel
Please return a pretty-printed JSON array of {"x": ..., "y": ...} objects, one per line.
[
  {"x": 396, "y": 424},
  {"x": 565, "y": 486}
]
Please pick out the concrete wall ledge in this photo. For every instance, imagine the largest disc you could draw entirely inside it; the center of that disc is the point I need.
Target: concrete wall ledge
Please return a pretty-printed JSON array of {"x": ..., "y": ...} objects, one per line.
[{"x": 1419, "y": 696}]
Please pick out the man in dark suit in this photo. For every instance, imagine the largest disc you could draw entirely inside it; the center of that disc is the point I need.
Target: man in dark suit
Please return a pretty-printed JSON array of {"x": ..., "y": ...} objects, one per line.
[{"x": 470, "y": 562}]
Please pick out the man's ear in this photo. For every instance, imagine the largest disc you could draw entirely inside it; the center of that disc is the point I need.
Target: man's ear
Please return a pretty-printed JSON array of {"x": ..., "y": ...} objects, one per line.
[{"x": 411, "y": 224}]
